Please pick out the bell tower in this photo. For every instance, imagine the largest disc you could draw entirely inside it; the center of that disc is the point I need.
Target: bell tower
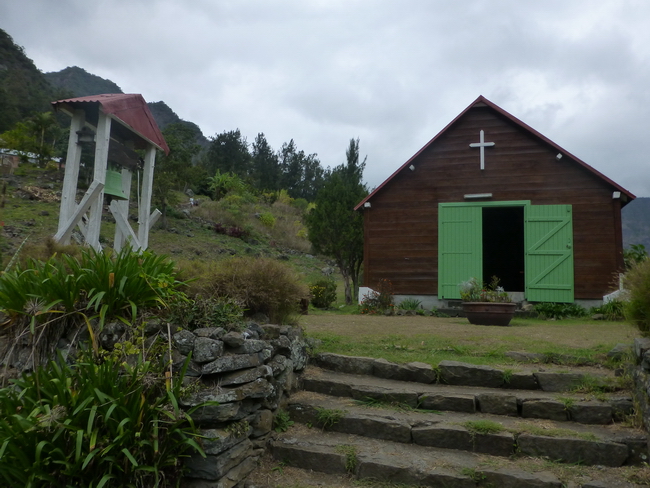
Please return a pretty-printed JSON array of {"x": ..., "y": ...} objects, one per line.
[{"x": 116, "y": 125}]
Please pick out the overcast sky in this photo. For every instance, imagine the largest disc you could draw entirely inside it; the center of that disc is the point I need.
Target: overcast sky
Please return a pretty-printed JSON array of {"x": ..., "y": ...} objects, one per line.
[{"x": 393, "y": 73}]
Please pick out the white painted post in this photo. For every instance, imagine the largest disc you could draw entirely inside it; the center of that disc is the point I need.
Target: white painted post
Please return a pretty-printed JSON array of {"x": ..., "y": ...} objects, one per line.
[
  {"x": 102, "y": 141},
  {"x": 71, "y": 175},
  {"x": 145, "y": 199},
  {"x": 122, "y": 206}
]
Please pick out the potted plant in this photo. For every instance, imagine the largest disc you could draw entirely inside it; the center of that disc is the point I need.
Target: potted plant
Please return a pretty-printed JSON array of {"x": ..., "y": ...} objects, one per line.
[{"x": 486, "y": 304}]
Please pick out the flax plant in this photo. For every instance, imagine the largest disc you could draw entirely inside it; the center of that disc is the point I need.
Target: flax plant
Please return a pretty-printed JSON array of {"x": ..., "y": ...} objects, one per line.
[{"x": 93, "y": 425}]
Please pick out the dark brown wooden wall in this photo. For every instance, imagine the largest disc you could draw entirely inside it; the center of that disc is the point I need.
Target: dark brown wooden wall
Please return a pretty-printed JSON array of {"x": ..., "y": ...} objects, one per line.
[{"x": 401, "y": 227}]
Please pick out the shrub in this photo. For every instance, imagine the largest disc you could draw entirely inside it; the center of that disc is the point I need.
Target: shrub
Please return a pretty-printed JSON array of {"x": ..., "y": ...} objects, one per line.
[
  {"x": 207, "y": 312},
  {"x": 613, "y": 310},
  {"x": 380, "y": 300},
  {"x": 323, "y": 293},
  {"x": 558, "y": 311},
  {"x": 42, "y": 298},
  {"x": 637, "y": 283},
  {"x": 93, "y": 425},
  {"x": 410, "y": 304},
  {"x": 267, "y": 219},
  {"x": 261, "y": 285}
]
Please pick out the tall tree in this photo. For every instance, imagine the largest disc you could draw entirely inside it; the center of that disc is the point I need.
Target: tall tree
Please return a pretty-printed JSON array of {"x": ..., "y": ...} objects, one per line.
[
  {"x": 228, "y": 153},
  {"x": 302, "y": 174},
  {"x": 266, "y": 166},
  {"x": 335, "y": 229}
]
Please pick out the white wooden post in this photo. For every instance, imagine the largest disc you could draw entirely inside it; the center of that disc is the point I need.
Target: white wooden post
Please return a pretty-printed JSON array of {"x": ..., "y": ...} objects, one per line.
[
  {"x": 71, "y": 176},
  {"x": 65, "y": 230},
  {"x": 101, "y": 160},
  {"x": 122, "y": 207},
  {"x": 145, "y": 198}
]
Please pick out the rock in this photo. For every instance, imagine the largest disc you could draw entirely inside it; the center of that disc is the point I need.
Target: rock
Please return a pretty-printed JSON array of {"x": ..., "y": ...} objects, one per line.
[
  {"x": 234, "y": 339},
  {"x": 451, "y": 402},
  {"x": 345, "y": 364},
  {"x": 619, "y": 351},
  {"x": 558, "y": 381},
  {"x": 215, "y": 333},
  {"x": 153, "y": 326},
  {"x": 278, "y": 364},
  {"x": 216, "y": 441},
  {"x": 215, "y": 467},
  {"x": 184, "y": 341},
  {"x": 206, "y": 350},
  {"x": 111, "y": 335},
  {"x": 249, "y": 347},
  {"x": 497, "y": 444},
  {"x": 238, "y": 474},
  {"x": 246, "y": 375},
  {"x": 591, "y": 413},
  {"x": 418, "y": 372},
  {"x": 521, "y": 381},
  {"x": 516, "y": 478},
  {"x": 232, "y": 362},
  {"x": 621, "y": 407},
  {"x": 457, "y": 373},
  {"x": 263, "y": 423},
  {"x": 573, "y": 450},
  {"x": 403, "y": 397},
  {"x": 641, "y": 345},
  {"x": 544, "y": 409},
  {"x": 498, "y": 404},
  {"x": 443, "y": 436}
]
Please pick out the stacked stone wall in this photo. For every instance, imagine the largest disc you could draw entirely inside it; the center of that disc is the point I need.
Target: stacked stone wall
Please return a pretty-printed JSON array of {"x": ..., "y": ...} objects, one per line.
[{"x": 249, "y": 376}]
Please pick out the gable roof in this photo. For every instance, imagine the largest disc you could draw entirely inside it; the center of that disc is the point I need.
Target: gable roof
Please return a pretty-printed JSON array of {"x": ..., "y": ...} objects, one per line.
[
  {"x": 481, "y": 101},
  {"x": 130, "y": 110}
]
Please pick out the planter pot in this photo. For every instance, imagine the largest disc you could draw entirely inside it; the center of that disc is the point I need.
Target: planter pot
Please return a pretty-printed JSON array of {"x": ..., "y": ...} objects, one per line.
[{"x": 489, "y": 313}]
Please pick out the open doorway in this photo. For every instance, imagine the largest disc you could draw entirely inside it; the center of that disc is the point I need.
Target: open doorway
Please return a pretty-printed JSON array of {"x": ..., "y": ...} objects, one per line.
[{"x": 503, "y": 246}]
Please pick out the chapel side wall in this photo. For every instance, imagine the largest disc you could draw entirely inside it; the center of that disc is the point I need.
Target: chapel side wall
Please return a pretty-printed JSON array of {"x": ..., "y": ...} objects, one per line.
[{"x": 402, "y": 224}]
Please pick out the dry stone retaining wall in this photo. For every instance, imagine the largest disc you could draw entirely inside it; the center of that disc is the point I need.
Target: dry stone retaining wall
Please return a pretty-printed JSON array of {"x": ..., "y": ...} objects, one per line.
[{"x": 250, "y": 375}]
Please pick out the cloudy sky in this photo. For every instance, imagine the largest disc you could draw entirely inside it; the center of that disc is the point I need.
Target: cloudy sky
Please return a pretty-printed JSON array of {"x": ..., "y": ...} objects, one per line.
[{"x": 393, "y": 73}]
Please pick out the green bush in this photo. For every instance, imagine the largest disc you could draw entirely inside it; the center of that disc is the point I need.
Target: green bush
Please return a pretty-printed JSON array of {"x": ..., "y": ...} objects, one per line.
[
  {"x": 267, "y": 219},
  {"x": 110, "y": 285},
  {"x": 410, "y": 304},
  {"x": 207, "y": 312},
  {"x": 95, "y": 426},
  {"x": 261, "y": 285},
  {"x": 43, "y": 298},
  {"x": 637, "y": 307},
  {"x": 558, "y": 311},
  {"x": 323, "y": 293},
  {"x": 613, "y": 310}
]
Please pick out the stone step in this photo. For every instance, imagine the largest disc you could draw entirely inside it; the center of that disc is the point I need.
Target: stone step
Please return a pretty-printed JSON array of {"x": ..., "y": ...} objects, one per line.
[
  {"x": 412, "y": 465},
  {"x": 515, "y": 403},
  {"x": 477, "y": 433},
  {"x": 548, "y": 378}
]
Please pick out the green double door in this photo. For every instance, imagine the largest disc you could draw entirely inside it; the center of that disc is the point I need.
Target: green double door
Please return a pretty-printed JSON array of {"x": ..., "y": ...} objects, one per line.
[{"x": 529, "y": 247}]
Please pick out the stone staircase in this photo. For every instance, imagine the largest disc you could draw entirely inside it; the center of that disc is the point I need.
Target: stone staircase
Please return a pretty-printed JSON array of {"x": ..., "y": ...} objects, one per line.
[{"x": 461, "y": 425}]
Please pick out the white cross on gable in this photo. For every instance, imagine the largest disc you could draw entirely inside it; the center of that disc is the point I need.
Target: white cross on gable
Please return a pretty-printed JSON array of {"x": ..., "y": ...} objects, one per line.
[{"x": 482, "y": 145}]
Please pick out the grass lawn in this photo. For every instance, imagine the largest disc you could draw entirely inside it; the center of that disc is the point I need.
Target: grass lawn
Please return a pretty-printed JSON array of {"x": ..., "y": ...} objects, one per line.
[{"x": 403, "y": 339}]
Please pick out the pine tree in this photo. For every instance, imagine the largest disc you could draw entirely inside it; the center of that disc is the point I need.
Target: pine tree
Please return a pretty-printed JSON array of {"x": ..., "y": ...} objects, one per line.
[{"x": 335, "y": 229}]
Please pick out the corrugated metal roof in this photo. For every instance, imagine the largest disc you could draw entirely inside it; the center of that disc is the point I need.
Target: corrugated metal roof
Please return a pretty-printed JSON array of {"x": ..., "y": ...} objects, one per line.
[
  {"x": 130, "y": 110},
  {"x": 481, "y": 101}
]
